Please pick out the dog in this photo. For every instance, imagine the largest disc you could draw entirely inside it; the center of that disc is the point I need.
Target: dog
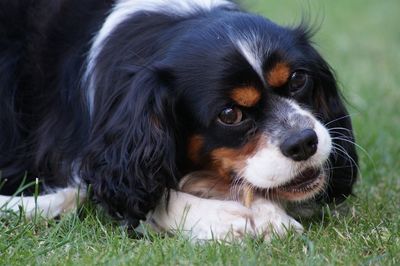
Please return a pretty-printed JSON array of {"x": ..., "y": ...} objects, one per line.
[{"x": 171, "y": 112}]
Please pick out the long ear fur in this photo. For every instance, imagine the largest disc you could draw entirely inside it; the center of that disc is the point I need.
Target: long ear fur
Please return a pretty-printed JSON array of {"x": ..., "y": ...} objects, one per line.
[
  {"x": 329, "y": 106},
  {"x": 130, "y": 160}
]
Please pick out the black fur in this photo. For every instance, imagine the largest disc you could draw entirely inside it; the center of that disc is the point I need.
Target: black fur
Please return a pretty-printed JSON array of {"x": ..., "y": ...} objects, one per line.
[
  {"x": 44, "y": 119},
  {"x": 160, "y": 79}
]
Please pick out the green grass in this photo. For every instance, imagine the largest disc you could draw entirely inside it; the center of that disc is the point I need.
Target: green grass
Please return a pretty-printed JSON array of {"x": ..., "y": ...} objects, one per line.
[{"x": 361, "y": 40}]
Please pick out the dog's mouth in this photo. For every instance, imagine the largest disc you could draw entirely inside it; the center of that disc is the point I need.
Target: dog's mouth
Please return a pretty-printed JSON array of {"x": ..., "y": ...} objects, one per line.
[
  {"x": 305, "y": 181},
  {"x": 305, "y": 185}
]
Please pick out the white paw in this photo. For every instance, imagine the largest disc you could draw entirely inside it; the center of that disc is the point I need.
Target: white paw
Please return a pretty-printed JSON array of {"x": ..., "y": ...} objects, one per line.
[
  {"x": 270, "y": 219},
  {"x": 230, "y": 221},
  {"x": 47, "y": 205},
  {"x": 210, "y": 219},
  {"x": 202, "y": 219}
]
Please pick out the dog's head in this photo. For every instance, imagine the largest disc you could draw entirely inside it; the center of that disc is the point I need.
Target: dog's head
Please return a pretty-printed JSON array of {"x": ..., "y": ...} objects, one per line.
[
  {"x": 259, "y": 104},
  {"x": 236, "y": 95}
]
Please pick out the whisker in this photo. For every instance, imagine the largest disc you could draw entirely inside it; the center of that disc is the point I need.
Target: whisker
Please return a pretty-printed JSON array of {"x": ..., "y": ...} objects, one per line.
[
  {"x": 339, "y": 134},
  {"x": 238, "y": 186},
  {"x": 338, "y": 119},
  {"x": 340, "y": 128},
  {"x": 328, "y": 166},
  {"x": 337, "y": 167},
  {"x": 355, "y": 144},
  {"x": 235, "y": 189},
  {"x": 343, "y": 154},
  {"x": 347, "y": 156}
]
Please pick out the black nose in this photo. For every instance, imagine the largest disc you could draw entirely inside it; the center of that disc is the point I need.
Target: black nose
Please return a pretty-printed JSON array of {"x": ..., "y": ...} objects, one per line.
[{"x": 301, "y": 145}]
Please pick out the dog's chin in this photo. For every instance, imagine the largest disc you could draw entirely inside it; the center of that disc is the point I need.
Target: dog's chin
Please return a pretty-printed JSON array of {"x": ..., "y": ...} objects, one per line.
[{"x": 305, "y": 185}]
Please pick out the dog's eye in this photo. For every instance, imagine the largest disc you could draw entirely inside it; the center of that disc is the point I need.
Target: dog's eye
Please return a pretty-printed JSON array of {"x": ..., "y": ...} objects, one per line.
[
  {"x": 298, "y": 81},
  {"x": 230, "y": 116}
]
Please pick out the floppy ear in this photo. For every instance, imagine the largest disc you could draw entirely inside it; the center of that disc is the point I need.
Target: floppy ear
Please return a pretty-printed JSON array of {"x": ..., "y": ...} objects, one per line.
[
  {"x": 331, "y": 110},
  {"x": 130, "y": 159}
]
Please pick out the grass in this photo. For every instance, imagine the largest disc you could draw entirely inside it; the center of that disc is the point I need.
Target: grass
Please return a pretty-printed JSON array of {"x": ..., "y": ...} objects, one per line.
[{"x": 361, "y": 39}]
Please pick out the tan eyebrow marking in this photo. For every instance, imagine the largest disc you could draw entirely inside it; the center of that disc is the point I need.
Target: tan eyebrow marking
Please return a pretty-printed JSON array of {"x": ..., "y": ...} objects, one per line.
[
  {"x": 278, "y": 75},
  {"x": 246, "y": 96}
]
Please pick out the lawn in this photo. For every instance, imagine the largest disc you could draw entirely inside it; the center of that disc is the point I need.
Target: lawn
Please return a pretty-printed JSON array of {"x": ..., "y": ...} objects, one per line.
[{"x": 361, "y": 40}]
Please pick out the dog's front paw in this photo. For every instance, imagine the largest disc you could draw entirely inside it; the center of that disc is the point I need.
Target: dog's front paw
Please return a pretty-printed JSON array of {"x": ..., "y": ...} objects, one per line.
[
  {"x": 270, "y": 219},
  {"x": 230, "y": 221},
  {"x": 202, "y": 219}
]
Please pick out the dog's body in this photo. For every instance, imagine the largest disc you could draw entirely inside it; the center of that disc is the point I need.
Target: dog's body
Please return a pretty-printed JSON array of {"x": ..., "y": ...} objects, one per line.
[{"x": 131, "y": 96}]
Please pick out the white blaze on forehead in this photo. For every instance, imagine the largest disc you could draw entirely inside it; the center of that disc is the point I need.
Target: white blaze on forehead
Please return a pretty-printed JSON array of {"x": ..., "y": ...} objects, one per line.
[
  {"x": 250, "y": 46},
  {"x": 269, "y": 168},
  {"x": 123, "y": 9}
]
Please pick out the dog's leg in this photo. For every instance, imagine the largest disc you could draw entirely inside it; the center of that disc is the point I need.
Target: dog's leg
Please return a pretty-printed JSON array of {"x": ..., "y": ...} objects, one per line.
[
  {"x": 202, "y": 219},
  {"x": 270, "y": 219},
  {"x": 48, "y": 205}
]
